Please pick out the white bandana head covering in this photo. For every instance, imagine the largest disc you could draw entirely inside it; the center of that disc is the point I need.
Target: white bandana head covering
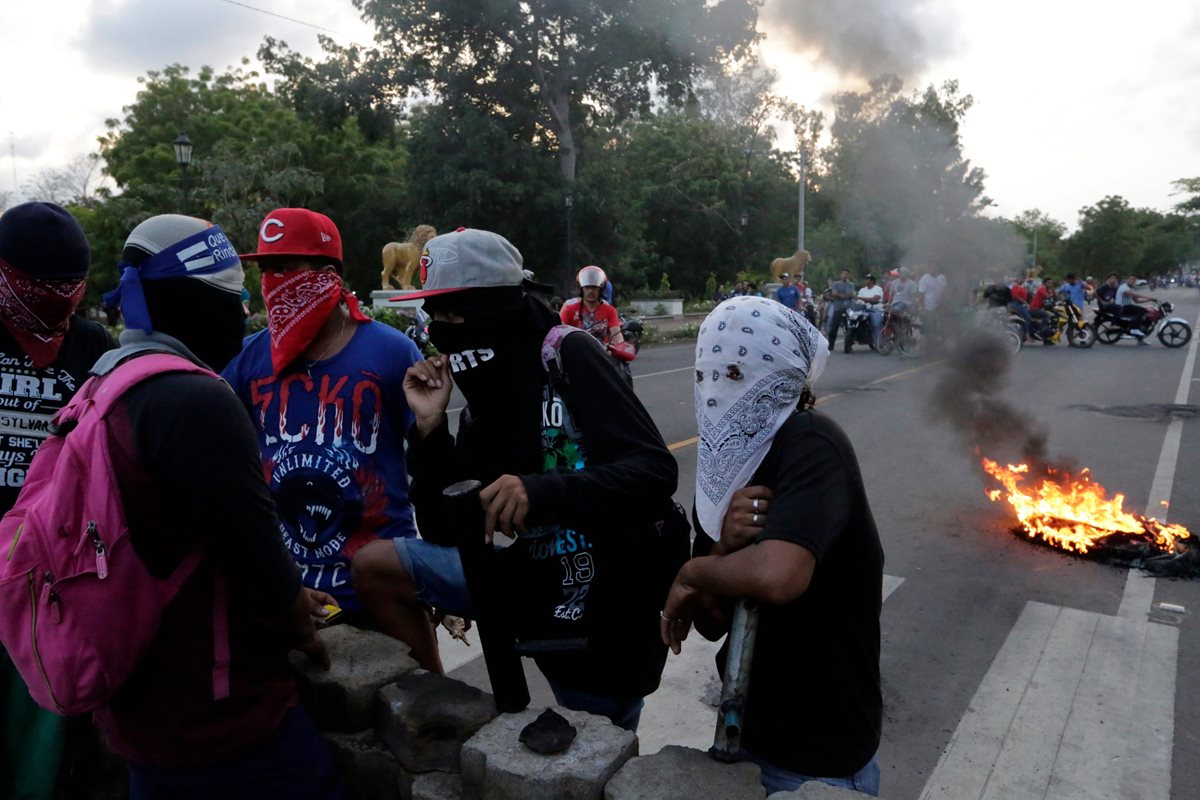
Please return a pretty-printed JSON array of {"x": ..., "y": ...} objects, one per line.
[{"x": 754, "y": 358}]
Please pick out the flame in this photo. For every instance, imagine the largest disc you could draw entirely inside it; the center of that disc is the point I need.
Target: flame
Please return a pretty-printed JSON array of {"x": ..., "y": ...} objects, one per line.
[{"x": 1073, "y": 512}]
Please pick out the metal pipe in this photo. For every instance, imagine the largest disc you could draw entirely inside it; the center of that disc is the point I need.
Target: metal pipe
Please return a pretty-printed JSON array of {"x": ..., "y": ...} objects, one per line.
[{"x": 727, "y": 743}]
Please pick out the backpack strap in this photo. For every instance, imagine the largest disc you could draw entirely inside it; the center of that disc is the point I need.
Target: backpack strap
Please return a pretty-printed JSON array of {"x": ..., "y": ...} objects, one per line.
[
  {"x": 136, "y": 370},
  {"x": 552, "y": 352}
]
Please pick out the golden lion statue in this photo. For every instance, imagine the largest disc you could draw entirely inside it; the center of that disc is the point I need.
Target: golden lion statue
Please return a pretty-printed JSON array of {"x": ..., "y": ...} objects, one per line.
[
  {"x": 793, "y": 265},
  {"x": 400, "y": 259}
]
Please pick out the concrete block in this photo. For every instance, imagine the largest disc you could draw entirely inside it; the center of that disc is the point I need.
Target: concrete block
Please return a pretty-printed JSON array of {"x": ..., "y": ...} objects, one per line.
[
  {"x": 682, "y": 773},
  {"x": 815, "y": 790},
  {"x": 437, "y": 786},
  {"x": 366, "y": 765},
  {"x": 425, "y": 718},
  {"x": 363, "y": 662},
  {"x": 496, "y": 766}
]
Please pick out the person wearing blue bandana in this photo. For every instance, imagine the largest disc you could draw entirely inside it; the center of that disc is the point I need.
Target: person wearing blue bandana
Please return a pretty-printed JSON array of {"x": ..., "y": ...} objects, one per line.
[{"x": 186, "y": 459}]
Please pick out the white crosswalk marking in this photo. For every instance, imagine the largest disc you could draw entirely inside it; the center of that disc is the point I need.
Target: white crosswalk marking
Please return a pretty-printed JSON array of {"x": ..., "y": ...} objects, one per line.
[{"x": 1075, "y": 705}]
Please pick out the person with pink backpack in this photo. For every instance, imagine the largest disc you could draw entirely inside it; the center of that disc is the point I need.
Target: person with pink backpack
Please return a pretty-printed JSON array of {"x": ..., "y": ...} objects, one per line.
[
  {"x": 145, "y": 574},
  {"x": 46, "y": 351}
]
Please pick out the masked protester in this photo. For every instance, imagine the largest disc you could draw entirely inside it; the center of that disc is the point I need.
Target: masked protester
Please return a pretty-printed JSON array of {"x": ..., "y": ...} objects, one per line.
[
  {"x": 187, "y": 463},
  {"x": 324, "y": 385},
  {"x": 572, "y": 466},
  {"x": 783, "y": 519},
  {"x": 46, "y": 352}
]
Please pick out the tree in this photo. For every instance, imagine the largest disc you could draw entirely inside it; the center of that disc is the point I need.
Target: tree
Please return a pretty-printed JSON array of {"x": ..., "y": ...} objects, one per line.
[
  {"x": 76, "y": 182},
  {"x": 1191, "y": 187},
  {"x": 549, "y": 63},
  {"x": 898, "y": 177},
  {"x": 1108, "y": 239},
  {"x": 252, "y": 153},
  {"x": 1044, "y": 235}
]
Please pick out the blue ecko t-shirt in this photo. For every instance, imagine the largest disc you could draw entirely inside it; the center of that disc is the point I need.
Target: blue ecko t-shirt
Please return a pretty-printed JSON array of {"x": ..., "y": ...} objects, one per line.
[{"x": 332, "y": 443}]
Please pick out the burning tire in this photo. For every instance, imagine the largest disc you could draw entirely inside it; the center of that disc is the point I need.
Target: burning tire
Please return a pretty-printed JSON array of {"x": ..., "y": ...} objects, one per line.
[
  {"x": 1107, "y": 332},
  {"x": 1175, "y": 334}
]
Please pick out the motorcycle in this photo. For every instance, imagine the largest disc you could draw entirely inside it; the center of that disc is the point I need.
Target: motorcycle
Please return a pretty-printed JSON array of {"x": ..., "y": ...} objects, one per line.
[
  {"x": 1110, "y": 326},
  {"x": 856, "y": 328},
  {"x": 631, "y": 331},
  {"x": 997, "y": 318},
  {"x": 1065, "y": 317},
  {"x": 418, "y": 331},
  {"x": 900, "y": 332}
]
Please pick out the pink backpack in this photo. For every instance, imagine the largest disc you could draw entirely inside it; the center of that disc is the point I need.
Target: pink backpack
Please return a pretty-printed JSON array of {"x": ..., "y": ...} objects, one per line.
[{"x": 80, "y": 607}]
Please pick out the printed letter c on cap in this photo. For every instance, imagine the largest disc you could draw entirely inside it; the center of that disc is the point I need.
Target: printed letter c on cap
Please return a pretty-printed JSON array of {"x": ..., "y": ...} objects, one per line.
[
  {"x": 275, "y": 237},
  {"x": 425, "y": 262}
]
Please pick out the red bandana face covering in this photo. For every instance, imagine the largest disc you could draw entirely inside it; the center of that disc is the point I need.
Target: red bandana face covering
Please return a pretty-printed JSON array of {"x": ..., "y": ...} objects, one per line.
[
  {"x": 38, "y": 312},
  {"x": 298, "y": 305}
]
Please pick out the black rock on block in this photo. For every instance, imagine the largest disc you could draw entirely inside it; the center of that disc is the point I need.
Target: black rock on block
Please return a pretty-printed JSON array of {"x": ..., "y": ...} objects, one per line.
[{"x": 550, "y": 733}]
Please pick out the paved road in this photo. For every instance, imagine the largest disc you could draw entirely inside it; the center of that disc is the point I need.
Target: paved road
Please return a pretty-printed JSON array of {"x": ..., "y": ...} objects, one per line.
[{"x": 1008, "y": 670}]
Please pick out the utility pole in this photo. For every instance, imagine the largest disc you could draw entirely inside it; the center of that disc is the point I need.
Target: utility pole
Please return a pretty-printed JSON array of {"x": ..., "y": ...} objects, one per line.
[{"x": 800, "y": 216}]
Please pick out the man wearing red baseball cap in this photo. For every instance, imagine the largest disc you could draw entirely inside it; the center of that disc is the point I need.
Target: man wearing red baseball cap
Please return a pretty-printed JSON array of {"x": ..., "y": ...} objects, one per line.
[{"x": 324, "y": 384}]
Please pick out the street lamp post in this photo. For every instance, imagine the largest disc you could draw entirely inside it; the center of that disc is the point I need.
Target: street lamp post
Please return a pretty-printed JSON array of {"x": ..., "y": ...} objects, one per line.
[
  {"x": 183, "y": 157},
  {"x": 800, "y": 216}
]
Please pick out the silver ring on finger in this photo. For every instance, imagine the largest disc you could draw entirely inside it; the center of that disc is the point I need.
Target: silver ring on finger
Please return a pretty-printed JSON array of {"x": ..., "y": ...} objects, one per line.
[
  {"x": 756, "y": 519},
  {"x": 756, "y": 504}
]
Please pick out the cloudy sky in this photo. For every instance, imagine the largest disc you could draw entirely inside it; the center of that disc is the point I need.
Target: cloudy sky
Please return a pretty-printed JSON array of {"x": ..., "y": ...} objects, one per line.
[{"x": 1070, "y": 104}]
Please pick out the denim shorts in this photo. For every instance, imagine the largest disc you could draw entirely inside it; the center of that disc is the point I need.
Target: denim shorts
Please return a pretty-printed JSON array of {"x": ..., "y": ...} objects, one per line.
[
  {"x": 437, "y": 575},
  {"x": 777, "y": 779}
]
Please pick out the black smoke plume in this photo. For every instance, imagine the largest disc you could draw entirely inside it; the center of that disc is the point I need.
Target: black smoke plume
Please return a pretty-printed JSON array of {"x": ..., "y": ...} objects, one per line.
[{"x": 865, "y": 38}]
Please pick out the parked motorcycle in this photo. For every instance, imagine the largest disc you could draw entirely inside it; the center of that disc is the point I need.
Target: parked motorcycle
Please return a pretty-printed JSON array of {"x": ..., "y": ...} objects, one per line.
[
  {"x": 856, "y": 329},
  {"x": 1110, "y": 326}
]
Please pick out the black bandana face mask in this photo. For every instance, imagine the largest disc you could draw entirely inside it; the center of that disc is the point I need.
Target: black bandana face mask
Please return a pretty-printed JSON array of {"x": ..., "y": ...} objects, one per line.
[{"x": 480, "y": 356}]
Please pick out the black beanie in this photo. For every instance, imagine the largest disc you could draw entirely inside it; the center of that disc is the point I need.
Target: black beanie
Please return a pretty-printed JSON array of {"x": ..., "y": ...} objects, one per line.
[{"x": 44, "y": 241}]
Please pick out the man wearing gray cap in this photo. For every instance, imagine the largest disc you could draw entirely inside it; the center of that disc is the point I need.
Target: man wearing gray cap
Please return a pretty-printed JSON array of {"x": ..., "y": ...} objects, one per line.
[{"x": 571, "y": 465}]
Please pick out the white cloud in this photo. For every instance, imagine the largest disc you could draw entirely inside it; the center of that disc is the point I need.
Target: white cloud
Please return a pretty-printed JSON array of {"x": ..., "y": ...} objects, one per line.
[{"x": 69, "y": 65}]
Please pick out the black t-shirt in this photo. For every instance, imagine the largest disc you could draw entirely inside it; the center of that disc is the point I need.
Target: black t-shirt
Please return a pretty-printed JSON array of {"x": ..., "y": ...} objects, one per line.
[
  {"x": 814, "y": 704},
  {"x": 620, "y": 499},
  {"x": 30, "y": 397}
]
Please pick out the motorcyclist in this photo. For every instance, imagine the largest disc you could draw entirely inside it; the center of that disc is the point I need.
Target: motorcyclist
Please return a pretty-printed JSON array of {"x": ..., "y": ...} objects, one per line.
[
  {"x": 871, "y": 295},
  {"x": 1044, "y": 324},
  {"x": 1127, "y": 299},
  {"x": 841, "y": 294},
  {"x": 1106, "y": 295},
  {"x": 589, "y": 311}
]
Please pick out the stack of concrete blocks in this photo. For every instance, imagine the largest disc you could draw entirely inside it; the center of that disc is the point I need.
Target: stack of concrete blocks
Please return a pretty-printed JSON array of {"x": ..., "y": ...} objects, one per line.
[
  {"x": 401, "y": 733},
  {"x": 388, "y": 721}
]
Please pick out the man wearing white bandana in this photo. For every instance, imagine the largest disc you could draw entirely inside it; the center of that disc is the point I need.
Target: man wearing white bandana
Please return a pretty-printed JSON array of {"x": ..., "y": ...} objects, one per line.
[{"x": 783, "y": 519}]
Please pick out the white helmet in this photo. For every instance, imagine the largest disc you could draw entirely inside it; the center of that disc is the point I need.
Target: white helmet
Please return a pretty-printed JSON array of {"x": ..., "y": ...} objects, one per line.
[{"x": 591, "y": 276}]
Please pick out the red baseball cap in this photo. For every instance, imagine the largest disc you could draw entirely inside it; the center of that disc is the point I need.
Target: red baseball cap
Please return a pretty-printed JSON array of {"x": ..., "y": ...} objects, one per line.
[{"x": 298, "y": 232}]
